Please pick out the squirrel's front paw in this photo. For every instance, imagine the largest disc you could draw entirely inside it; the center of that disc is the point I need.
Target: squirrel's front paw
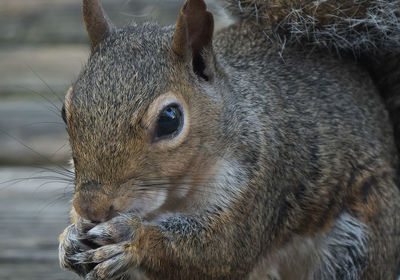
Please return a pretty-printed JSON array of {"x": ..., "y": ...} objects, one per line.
[
  {"x": 117, "y": 254},
  {"x": 70, "y": 245}
]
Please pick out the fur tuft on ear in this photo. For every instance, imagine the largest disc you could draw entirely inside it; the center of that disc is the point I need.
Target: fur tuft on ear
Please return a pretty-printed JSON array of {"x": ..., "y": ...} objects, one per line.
[
  {"x": 97, "y": 23},
  {"x": 193, "y": 34}
]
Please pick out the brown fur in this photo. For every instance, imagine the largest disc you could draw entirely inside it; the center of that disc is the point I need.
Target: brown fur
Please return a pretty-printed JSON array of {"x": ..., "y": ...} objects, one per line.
[
  {"x": 97, "y": 24},
  {"x": 279, "y": 164}
]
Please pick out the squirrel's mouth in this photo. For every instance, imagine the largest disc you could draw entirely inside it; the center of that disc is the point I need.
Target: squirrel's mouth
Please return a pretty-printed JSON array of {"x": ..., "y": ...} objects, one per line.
[{"x": 148, "y": 198}]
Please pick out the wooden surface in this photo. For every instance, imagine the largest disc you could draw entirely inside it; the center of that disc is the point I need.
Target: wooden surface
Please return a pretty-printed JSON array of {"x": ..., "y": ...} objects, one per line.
[{"x": 33, "y": 212}]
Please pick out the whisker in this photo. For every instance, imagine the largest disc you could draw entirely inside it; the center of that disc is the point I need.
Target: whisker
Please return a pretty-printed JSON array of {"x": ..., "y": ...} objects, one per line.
[
  {"x": 41, "y": 123},
  {"x": 46, "y": 84},
  {"x": 205, "y": 188},
  {"x": 58, "y": 199},
  {"x": 45, "y": 184},
  {"x": 32, "y": 150},
  {"x": 12, "y": 182},
  {"x": 56, "y": 110},
  {"x": 191, "y": 175},
  {"x": 64, "y": 171},
  {"x": 59, "y": 149}
]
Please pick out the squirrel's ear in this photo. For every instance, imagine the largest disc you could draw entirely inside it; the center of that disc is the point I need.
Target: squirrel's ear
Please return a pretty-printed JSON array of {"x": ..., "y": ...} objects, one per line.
[
  {"x": 97, "y": 23},
  {"x": 193, "y": 33}
]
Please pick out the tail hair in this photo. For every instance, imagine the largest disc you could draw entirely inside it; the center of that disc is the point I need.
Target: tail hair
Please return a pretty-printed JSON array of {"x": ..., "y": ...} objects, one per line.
[{"x": 358, "y": 26}]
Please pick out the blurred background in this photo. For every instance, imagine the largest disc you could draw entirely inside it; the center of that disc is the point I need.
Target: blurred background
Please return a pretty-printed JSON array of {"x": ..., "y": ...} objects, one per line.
[{"x": 43, "y": 45}]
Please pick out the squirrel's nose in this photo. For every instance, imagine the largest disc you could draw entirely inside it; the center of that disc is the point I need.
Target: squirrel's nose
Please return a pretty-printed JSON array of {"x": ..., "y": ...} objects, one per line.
[{"x": 94, "y": 204}]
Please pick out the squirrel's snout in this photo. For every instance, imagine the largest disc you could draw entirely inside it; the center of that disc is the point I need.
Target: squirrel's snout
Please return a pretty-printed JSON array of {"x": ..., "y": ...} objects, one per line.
[{"x": 94, "y": 206}]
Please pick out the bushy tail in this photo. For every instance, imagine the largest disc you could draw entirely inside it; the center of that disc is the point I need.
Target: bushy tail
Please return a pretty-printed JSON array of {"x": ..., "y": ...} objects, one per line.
[
  {"x": 356, "y": 25},
  {"x": 368, "y": 29}
]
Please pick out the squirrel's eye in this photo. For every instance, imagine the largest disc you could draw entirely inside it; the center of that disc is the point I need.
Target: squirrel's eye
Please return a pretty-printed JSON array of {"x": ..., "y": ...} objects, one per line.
[{"x": 169, "y": 122}]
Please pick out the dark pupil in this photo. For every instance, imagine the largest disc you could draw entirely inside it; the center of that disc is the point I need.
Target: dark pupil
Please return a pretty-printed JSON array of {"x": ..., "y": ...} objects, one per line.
[{"x": 169, "y": 121}]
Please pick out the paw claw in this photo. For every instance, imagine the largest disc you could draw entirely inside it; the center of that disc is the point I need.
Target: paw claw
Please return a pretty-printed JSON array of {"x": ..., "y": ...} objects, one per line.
[
  {"x": 119, "y": 229},
  {"x": 99, "y": 255},
  {"x": 114, "y": 267},
  {"x": 83, "y": 226},
  {"x": 70, "y": 246},
  {"x": 102, "y": 251}
]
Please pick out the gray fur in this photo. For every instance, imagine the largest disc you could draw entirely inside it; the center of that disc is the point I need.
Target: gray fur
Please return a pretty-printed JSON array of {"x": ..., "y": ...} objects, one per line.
[
  {"x": 308, "y": 139},
  {"x": 344, "y": 250},
  {"x": 377, "y": 30}
]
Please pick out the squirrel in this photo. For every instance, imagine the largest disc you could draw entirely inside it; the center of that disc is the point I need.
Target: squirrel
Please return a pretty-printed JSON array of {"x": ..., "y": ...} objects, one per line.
[{"x": 226, "y": 156}]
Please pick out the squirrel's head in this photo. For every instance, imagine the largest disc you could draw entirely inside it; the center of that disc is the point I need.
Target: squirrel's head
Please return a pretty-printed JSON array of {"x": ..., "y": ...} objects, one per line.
[{"x": 145, "y": 118}]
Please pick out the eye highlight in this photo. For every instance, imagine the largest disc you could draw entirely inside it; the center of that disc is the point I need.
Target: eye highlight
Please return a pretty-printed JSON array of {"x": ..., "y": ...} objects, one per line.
[{"x": 170, "y": 121}]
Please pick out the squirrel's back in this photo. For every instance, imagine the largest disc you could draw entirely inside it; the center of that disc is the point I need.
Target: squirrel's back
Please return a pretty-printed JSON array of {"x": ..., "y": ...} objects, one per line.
[{"x": 332, "y": 129}]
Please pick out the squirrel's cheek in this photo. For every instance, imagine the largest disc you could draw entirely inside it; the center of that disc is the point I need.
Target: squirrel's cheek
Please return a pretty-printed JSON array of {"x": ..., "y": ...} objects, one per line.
[{"x": 142, "y": 202}]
